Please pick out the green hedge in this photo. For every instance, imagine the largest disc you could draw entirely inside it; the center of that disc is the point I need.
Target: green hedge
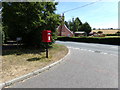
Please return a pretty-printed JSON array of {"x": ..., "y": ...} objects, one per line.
[
  {"x": 117, "y": 34},
  {"x": 101, "y": 40}
]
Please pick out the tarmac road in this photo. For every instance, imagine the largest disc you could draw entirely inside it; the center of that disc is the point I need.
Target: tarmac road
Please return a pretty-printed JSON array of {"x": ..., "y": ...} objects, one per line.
[{"x": 87, "y": 66}]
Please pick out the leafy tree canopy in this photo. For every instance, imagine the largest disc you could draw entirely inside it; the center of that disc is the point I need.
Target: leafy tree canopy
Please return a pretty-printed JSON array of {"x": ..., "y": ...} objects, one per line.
[
  {"x": 77, "y": 25},
  {"x": 28, "y": 19},
  {"x": 85, "y": 27}
]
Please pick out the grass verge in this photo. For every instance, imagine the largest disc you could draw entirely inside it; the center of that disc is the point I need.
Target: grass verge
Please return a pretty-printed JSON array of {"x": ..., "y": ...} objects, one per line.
[{"x": 16, "y": 63}]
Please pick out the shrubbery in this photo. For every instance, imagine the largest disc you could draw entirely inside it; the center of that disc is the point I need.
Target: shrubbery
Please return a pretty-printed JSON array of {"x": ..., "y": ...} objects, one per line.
[{"x": 117, "y": 34}]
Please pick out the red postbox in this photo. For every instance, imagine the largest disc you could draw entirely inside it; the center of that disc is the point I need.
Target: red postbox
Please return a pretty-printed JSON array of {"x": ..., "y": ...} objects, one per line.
[{"x": 46, "y": 36}]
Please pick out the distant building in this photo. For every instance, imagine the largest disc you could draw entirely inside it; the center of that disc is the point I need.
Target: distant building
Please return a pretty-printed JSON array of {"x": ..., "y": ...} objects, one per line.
[
  {"x": 97, "y": 34},
  {"x": 80, "y": 33},
  {"x": 64, "y": 31}
]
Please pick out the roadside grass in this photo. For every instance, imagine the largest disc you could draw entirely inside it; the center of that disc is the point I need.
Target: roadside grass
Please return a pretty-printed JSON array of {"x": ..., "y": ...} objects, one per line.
[{"x": 16, "y": 63}]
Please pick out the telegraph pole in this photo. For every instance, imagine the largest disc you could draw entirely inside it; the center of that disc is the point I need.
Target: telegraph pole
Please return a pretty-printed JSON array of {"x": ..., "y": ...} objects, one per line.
[
  {"x": 73, "y": 25},
  {"x": 62, "y": 23}
]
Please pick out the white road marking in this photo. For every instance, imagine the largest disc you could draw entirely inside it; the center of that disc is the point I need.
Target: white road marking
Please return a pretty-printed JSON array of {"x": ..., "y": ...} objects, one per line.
[
  {"x": 104, "y": 53},
  {"x": 92, "y": 51},
  {"x": 76, "y": 48}
]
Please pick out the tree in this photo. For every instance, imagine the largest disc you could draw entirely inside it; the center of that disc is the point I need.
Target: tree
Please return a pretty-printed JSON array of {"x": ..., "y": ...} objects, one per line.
[
  {"x": 66, "y": 23},
  {"x": 77, "y": 23},
  {"x": 28, "y": 19},
  {"x": 74, "y": 25},
  {"x": 70, "y": 25},
  {"x": 94, "y": 28},
  {"x": 100, "y": 32},
  {"x": 85, "y": 27},
  {"x": 118, "y": 33}
]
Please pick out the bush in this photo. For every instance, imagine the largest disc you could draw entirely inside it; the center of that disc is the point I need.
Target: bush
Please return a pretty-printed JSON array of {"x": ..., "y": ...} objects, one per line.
[
  {"x": 117, "y": 34},
  {"x": 100, "y": 32}
]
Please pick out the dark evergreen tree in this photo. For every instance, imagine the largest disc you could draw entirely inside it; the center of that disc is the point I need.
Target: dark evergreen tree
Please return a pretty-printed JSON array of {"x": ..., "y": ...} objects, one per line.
[
  {"x": 66, "y": 23},
  {"x": 86, "y": 28},
  {"x": 77, "y": 23}
]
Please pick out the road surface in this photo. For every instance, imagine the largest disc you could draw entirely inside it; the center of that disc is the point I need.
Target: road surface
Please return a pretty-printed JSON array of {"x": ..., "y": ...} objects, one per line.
[{"x": 87, "y": 66}]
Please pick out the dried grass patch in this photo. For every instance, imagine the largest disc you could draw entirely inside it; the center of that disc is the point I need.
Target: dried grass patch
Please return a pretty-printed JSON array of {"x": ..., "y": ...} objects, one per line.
[{"x": 16, "y": 63}]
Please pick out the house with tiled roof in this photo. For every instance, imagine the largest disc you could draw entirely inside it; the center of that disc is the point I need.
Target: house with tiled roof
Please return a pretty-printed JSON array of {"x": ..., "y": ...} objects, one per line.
[{"x": 64, "y": 31}]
